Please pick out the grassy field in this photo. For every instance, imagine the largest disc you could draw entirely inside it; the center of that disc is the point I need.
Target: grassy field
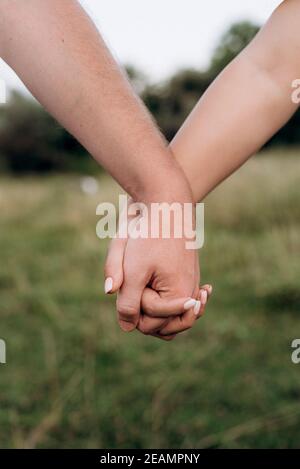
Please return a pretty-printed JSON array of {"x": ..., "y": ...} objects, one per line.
[{"x": 73, "y": 379}]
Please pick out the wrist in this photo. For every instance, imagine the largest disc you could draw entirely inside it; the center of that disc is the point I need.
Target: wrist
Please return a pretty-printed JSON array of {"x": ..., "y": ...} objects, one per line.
[
  {"x": 166, "y": 187},
  {"x": 168, "y": 209}
]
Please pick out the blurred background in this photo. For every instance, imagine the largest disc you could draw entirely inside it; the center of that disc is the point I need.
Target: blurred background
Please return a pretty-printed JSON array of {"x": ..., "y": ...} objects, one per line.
[{"x": 72, "y": 378}]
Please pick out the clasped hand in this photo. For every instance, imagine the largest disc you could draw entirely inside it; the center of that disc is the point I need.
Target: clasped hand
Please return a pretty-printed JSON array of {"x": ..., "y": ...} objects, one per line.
[{"x": 157, "y": 285}]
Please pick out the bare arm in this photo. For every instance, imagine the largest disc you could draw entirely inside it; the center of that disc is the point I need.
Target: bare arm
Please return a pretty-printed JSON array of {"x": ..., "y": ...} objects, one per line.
[
  {"x": 56, "y": 50},
  {"x": 58, "y": 53},
  {"x": 245, "y": 106},
  {"x": 242, "y": 109}
]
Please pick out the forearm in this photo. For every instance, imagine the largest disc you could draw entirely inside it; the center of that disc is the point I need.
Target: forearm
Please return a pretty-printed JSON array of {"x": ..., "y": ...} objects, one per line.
[
  {"x": 245, "y": 106},
  {"x": 56, "y": 50}
]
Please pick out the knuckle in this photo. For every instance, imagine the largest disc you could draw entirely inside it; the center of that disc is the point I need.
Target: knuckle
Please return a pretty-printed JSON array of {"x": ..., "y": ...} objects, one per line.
[
  {"x": 142, "y": 326},
  {"x": 188, "y": 323},
  {"x": 146, "y": 327},
  {"x": 149, "y": 308},
  {"x": 126, "y": 310}
]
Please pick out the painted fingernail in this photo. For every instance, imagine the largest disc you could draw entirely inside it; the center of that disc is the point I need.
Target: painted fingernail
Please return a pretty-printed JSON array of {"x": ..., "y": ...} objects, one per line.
[
  {"x": 189, "y": 304},
  {"x": 197, "y": 308},
  {"x": 203, "y": 297},
  {"x": 108, "y": 285}
]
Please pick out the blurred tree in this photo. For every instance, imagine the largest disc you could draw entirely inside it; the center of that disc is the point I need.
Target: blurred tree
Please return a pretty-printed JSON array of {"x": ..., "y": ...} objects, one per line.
[
  {"x": 137, "y": 78},
  {"x": 171, "y": 102},
  {"x": 32, "y": 141},
  {"x": 231, "y": 44}
]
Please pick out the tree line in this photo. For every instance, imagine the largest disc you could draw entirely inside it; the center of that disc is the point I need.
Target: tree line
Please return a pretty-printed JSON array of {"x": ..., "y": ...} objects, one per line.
[{"x": 32, "y": 141}]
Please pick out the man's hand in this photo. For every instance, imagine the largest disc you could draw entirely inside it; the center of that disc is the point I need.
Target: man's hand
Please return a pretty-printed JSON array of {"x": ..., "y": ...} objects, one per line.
[
  {"x": 164, "y": 264},
  {"x": 157, "y": 278},
  {"x": 165, "y": 312}
]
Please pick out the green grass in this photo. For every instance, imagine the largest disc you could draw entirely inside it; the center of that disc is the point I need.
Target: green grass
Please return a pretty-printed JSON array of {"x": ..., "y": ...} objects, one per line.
[{"x": 73, "y": 379}]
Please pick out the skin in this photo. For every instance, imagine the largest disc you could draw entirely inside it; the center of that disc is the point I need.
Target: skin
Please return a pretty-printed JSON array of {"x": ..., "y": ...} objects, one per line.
[
  {"x": 58, "y": 53},
  {"x": 132, "y": 149},
  {"x": 245, "y": 106},
  {"x": 241, "y": 110}
]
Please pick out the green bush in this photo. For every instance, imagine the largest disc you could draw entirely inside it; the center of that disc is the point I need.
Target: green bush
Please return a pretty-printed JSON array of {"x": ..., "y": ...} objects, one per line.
[{"x": 32, "y": 141}]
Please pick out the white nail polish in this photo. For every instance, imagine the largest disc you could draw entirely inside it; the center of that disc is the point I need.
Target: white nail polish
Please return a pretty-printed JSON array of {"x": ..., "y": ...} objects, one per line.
[
  {"x": 204, "y": 297},
  {"x": 108, "y": 285},
  {"x": 189, "y": 304},
  {"x": 197, "y": 308}
]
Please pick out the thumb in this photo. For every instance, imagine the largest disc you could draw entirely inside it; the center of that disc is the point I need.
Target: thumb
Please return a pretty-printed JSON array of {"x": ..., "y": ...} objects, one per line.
[{"x": 113, "y": 270}]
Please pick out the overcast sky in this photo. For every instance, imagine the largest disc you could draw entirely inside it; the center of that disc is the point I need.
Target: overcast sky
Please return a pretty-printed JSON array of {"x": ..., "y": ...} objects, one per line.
[{"x": 160, "y": 36}]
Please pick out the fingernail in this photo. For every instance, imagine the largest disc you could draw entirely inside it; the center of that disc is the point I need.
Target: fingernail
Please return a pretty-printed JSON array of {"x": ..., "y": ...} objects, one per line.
[
  {"x": 197, "y": 308},
  {"x": 108, "y": 285},
  {"x": 189, "y": 304},
  {"x": 203, "y": 297},
  {"x": 210, "y": 289}
]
